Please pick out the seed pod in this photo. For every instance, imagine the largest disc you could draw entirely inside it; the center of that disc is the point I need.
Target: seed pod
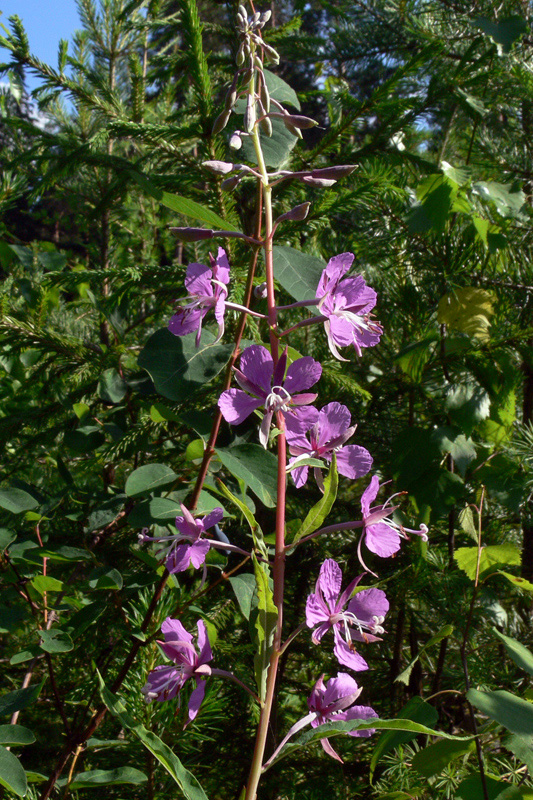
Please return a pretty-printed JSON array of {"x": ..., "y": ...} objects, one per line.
[
  {"x": 333, "y": 172},
  {"x": 250, "y": 116},
  {"x": 235, "y": 141},
  {"x": 221, "y": 122},
  {"x": 296, "y": 214},
  {"x": 192, "y": 234},
  {"x": 218, "y": 167},
  {"x": 266, "y": 126},
  {"x": 321, "y": 183}
]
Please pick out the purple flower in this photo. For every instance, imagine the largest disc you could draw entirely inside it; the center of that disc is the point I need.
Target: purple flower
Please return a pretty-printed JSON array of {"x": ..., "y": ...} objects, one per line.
[
  {"x": 381, "y": 534},
  {"x": 207, "y": 289},
  {"x": 364, "y": 612},
  {"x": 333, "y": 702},
  {"x": 180, "y": 556},
  {"x": 165, "y": 682},
  {"x": 270, "y": 388},
  {"x": 346, "y": 305},
  {"x": 327, "y": 434}
]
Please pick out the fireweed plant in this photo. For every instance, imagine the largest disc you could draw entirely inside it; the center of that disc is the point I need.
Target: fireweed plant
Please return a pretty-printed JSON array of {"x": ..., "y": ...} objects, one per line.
[{"x": 308, "y": 440}]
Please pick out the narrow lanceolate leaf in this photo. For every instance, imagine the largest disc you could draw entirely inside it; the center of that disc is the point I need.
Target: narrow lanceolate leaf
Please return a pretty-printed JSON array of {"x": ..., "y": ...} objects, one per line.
[
  {"x": 257, "y": 533},
  {"x": 12, "y": 775},
  {"x": 189, "y": 208},
  {"x": 445, "y": 631},
  {"x": 521, "y": 656},
  {"x": 266, "y": 615},
  {"x": 320, "y": 511},
  {"x": 330, "y": 729},
  {"x": 415, "y": 712},
  {"x": 185, "y": 779},
  {"x": 258, "y": 468},
  {"x": 510, "y": 711},
  {"x": 433, "y": 759}
]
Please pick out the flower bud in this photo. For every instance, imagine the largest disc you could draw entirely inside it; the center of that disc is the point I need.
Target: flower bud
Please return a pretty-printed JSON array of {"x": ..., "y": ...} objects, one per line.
[
  {"x": 218, "y": 167},
  {"x": 231, "y": 99},
  {"x": 260, "y": 291},
  {"x": 243, "y": 12},
  {"x": 321, "y": 183},
  {"x": 265, "y": 96},
  {"x": 265, "y": 17},
  {"x": 256, "y": 18},
  {"x": 240, "y": 56},
  {"x": 295, "y": 131},
  {"x": 296, "y": 214},
  {"x": 333, "y": 172},
  {"x": 266, "y": 126},
  {"x": 192, "y": 234},
  {"x": 221, "y": 122},
  {"x": 230, "y": 183},
  {"x": 250, "y": 115},
  {"x": 235, "y": 141},
  {"x": 296, "y": 120},
  {"x": 273, "y": 55}
]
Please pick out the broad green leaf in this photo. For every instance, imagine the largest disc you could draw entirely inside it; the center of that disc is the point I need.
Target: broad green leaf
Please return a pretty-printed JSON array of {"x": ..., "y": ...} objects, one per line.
[
  {"x": 254, "y": 465},
  {"x": 522, "y": 748},
  {"x": 413, "y": 357},
  {"x": 12, "y": 775},
  {"x": 161, "y": 510},
  {"x": 111, "y": 387},
  {"x": 434, "y": 758},
  {"x": 55, "y": 641},
  {"x": 17, "y": 500},
  {"x": 105, "y": 578},
  {"x": 445, "y": 631},
  {"x": 185, "y": 780},
  {"x": 461, "y": 449},
  {"x": 435, "y": 194},
  {"x": 84, "y": 439},
  {"x": 244, "y": 587},
  {"x": 195, "y": 450},
  {"x": 177, "y": 367},
  {"x": 508, "y": 198},
  {"x": 84, "y": 618},
  {"x": 466, "y": 521},
  {"x": 417, "y": 713},
  {"x": 491, "y": 558},
  {"x": 510, "y": 711},
  {"x": 44, "y": 583},
  {"x": 517, "y": 581},
  {"x": 320, "y": 510},
  {"x": 24, "y": 655},
  {"x": 467, "y": 310},
  {"x": 401, "y": 729},
  {"x": 503, "y": 33},
  {"x": 7, "y": 537},
  {"x": 521, "y": 656},
  {"x": 297, "y": 272},
  {"x": 15, "y": 734},
  {"x": 280, "y": 90},
  {"x": 276, "y": 148},
  {"x": 182, "y": 205},
  {"x": 265, "y": 620},
  {"x": 472, "y": 789},
  {"x": 467, "y": 404},
  {"x": 107, "y": 777},
  {"x": 62, "y": 553},
  {"x": 19, "y": 699},
  {"x": 149, "y": 477}
]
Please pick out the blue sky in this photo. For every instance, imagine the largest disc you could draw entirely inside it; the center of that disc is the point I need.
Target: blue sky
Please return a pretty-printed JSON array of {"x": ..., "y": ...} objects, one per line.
[{"x": 46, "y": 22}]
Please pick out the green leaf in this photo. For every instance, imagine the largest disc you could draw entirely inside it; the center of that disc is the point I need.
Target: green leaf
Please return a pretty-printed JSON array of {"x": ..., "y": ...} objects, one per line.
[
  {"x": 297, "y": 272},
  {"x": 85, "y": 439},
  {"x": 467, "y": 404},
  {"x": 467, "y": 310},
  {"x": 280, "y": 90},
  {"x": 189, "y": 208},
  {"x": 177, "y": 367},
  {"x": 84, "y": 618},
  {"x": 185, "y": 780},
  {"x": 521, "y": 656},
  {"x": 55, "y": 641},
  {"x": 517, "y": 581},
  {"x": 401, "y": 729},
  {"x": 434, "y": 758},
  {"x": 111, "y": 387},
  {"x": 15, "y": 734},
  {"x": 466, "y": 521},
  {"x": 504, "y": 33},
  {"x": 12, "y": 775},
  {"x": 19, "y": 699},
  {"x": 522, "y": 749},
  {"x": 445, "y": 631},
  {"x": 17, "y": 500},
  {"x": 413, "y": 357},
  {"x": 507, "y": 198},
  {"x": 105, "y": 578},
  {"x": 472, "y": 788},
  {"x": 491, "y": 558},
  {"x": 510, "y": 711},
  {"x": 257, "y": 533},
  {"x": 265, "y": 620},
  {"x": 44, "y": 583},
  {"x": 149, "y": 477},
  {"x": 436, "y": 194},
  {"x": 276, "y": 148},
  {"x": 320, "y": 510},
  {"x": 419, "y": 713},
  {"x": 244, "y": 587},
  {"x": 108, "y": 777},
  {"x": 258, "y": 468},
  {"x": 7, "y": 537}
]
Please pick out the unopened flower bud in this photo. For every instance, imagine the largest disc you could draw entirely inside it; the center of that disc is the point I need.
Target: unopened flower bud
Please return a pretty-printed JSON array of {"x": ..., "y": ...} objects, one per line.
[
  {"x": 265, "y": 96},
  {"x": 243, "y": 12},
  {"x": 230, "y": 183},
  {"x": 235, "y": 141},
  {"x": 221, "y": 122},
  {"x": 260, "y": 291},
  {"x": 266, "y": 126},
  {"x": 296, "y": 214},
  {"x": 256, "y": 18},
  {"x": 321, "y": 183},
  {"x": 295, "y": 131},
  {"x": 218, "y": 167},
  {"x": 250, "y": 115},
  {"x": 192, "y": 234},
  {"x": 240, "y": 56},
  {"x": 265, "y": 17},
  {"x": 296, "y": 120},
  {"x": 271, "y": 54},
  {"x": 334, "y": 172},
  {"x": 231, "y": 99}
]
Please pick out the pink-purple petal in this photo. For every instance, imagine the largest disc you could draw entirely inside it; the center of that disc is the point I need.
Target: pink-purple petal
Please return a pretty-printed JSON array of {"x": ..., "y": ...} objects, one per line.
[
  {"x": 236, "y": 405},
  {"x": 186, "y": 321},
  {"x": 329, "y": 582},
  {"x": 382, "y": 540},
  {"x": 368, "y": 604},
  {"x": 195, "y": 700},
  {"x": 347, "y": 656},
  {"x": 173, "y": 630},
  {"x": 212, "y": 518},
  {"x": 333, "y": 420},
  {"x": 257, "y": 365},
  {"x": 353, "y": 461},
  {"x": 369, "y": 495},
  {"x": 302, "y": 374}
]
